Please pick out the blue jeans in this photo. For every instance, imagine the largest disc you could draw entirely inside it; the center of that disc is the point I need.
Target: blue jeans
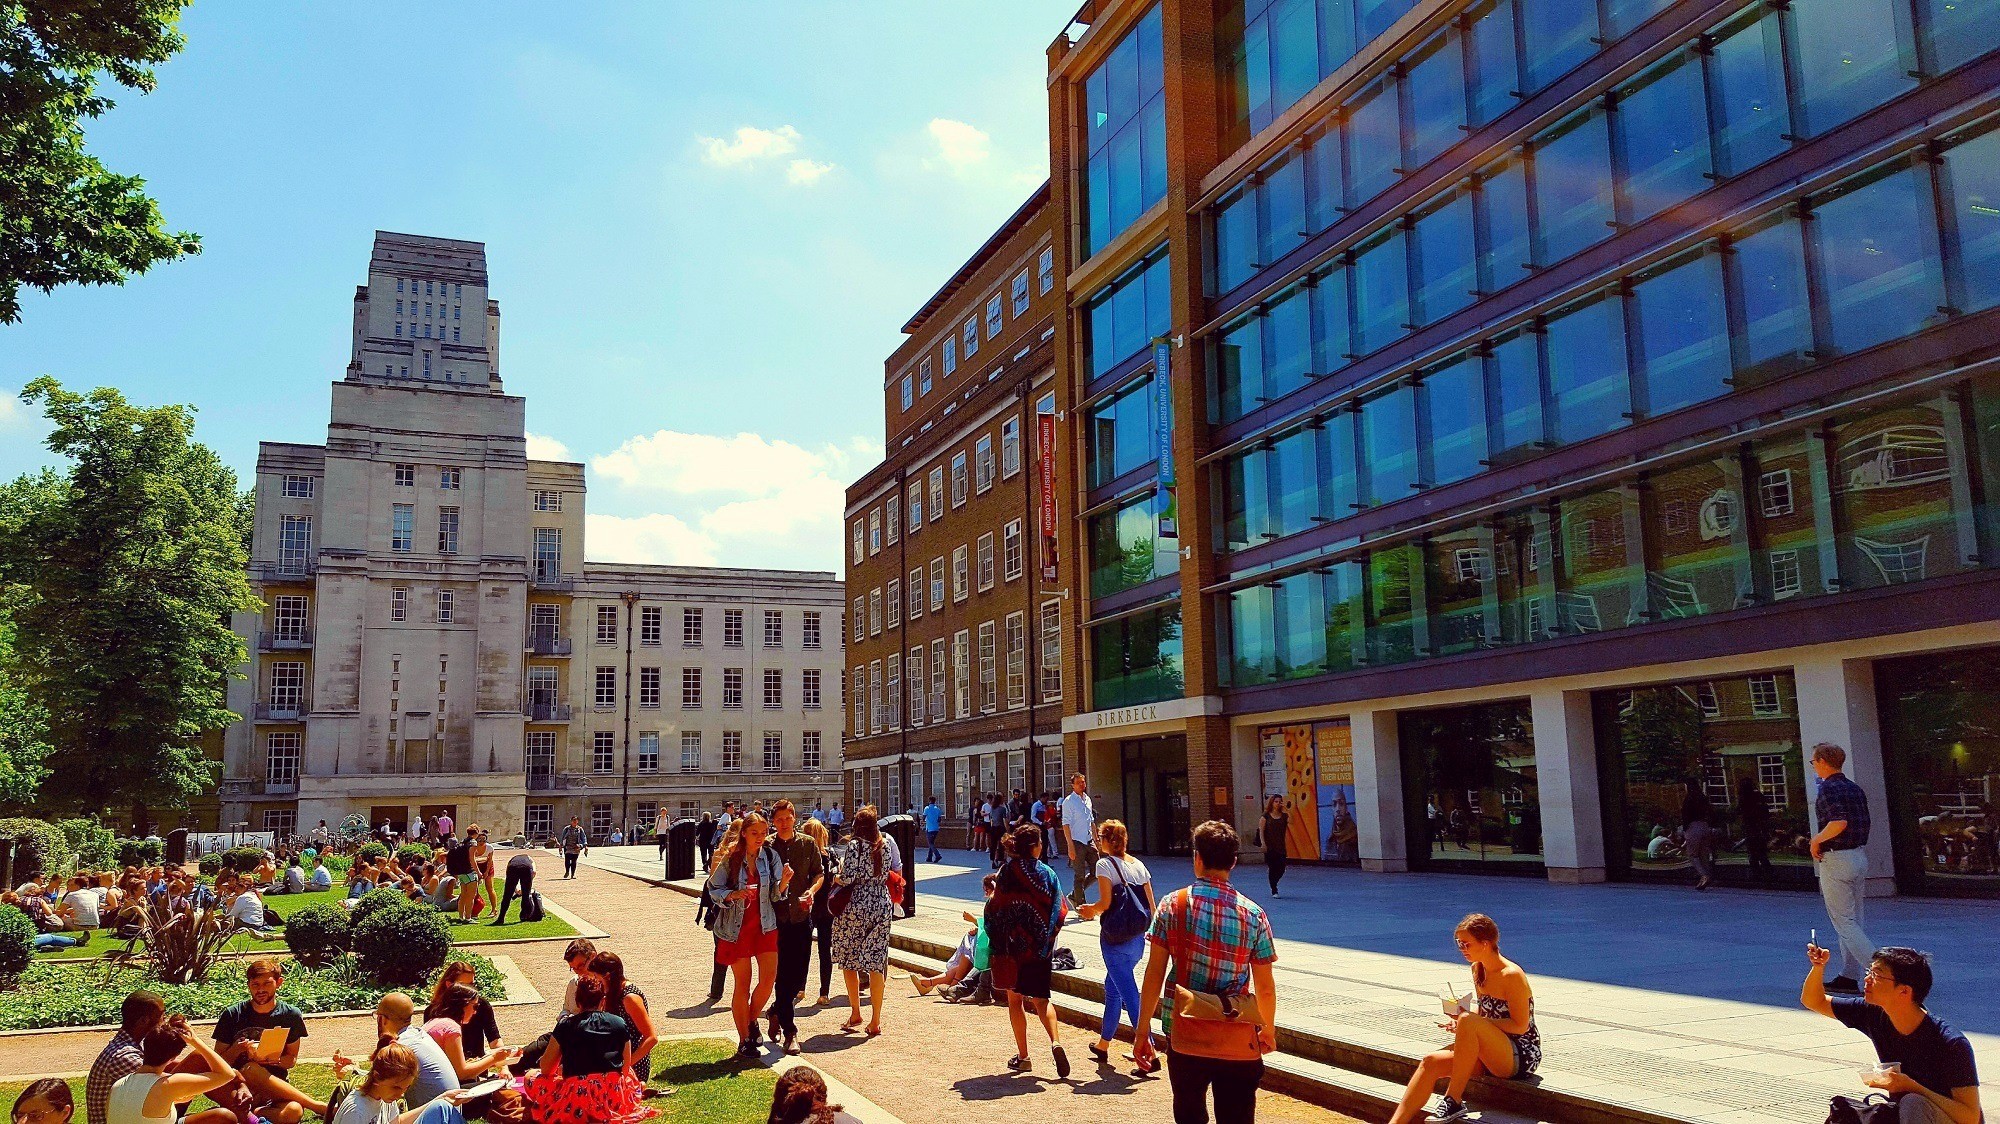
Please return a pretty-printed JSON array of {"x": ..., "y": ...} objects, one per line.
[
  {"x": 1843, "y": 882},
  {"x": 435, "y": 1113},
  {"x": 45, "y": 941},
  {"x": 1121, "y": 984}
]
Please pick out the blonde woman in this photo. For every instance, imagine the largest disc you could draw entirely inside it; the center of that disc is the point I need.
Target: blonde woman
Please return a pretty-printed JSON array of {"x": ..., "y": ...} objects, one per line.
[
  {"x": 822, "y": 917},
  {"x": 1125, "y": 905},
  {"x": 744, "y": 887}
]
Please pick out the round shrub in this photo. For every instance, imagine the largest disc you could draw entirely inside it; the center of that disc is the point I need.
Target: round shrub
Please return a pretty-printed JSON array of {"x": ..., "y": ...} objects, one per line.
[
  {"x": 318, "y": 934},
  {"x": 382, "y": 897},
  {"x": 17, "y": 944},
  {"x": 402, "y": 944},
  {"x": 243, "y": 860},
  {"x": 140, "y": 852},
  {"x": 209, "y": 864},
  {"x": 372, "y": 852},
  {"x": 410, "y": 854}
]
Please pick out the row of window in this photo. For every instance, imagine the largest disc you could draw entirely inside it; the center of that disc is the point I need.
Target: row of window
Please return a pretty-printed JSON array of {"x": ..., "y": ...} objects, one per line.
[
  {"x": 402, "y": 528},
  {"x": 604, "y": 688},
  {"x": 883, "y": 689},
  {"x": 652, "y": 620},
  {"x": 957, "y": 784},
  {"x": 1872, "y": 260},
  {"x": 427, "y": 310},
  {"x": 919, "y": 384},
  {"x": 882, "y": 525},
  {"x": 542, "y": 752},
  {"x": 883, "y": 607},
  {"x": 433, "y": 288},
  {"x": 426, "y": 335}
]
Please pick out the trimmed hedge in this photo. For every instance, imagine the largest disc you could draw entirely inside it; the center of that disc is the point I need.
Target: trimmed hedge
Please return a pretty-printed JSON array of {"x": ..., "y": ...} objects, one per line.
[
  {"x": 372, "y": 852},
  {"x": 401, "y": 944},
  {"x": 140, "y": 852},
  {"x": 243, "y": 860},
  {"x": 39, "y": 848},
  {"x": 410, "y": 854},
  {"x": 209, "y": 864},
  {"x": 17, "y": 944},
  {"x": 382, "y": 897},
  {"x": 318, "y": 934}
]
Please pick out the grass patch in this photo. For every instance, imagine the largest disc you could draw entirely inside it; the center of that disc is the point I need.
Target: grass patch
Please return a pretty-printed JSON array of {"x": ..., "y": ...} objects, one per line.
[
  {"x": 710, "y": 1086},
  {"x": 103, "y": 943},
  {"x": 59, "y": 995}
]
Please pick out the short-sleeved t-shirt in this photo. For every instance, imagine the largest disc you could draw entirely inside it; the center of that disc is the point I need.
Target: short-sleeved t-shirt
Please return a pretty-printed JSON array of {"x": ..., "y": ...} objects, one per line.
[
  {"x": 359, "y": 1109},
  {"x": 243, "y": 1023},
  {"x": 249, "y": 909},
  {"x": 933, "y": 817},
  {"x": 435, "y": 1076},
  {"x": 483, "y": 1031},
  {"x": 1132, "y": 870},
  {"x": 83, "y": 906},
  {"x": 1933, "y": 1055},
  {"x": 592, "y": 1043},
  {"x": 1214, "y": 934}
]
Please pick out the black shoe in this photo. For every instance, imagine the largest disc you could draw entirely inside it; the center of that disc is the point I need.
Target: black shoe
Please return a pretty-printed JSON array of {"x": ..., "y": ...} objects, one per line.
[
  {"x": 1845, "y": 985},
  {"x": 1062, "y": 1060},
  {"x": 714, "y": 997},
  {"x": 1103, "y": 1056},
  {"x": 1448, "y": 1110}
]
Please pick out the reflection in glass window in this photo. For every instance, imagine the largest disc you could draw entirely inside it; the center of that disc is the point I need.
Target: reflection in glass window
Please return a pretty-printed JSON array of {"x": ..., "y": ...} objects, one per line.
[
  {"x": 1336, "y": 342},
  {"x": 1389, "y": 444},
  {"x": 1683, "y": 333},
  {"x": 1664, "y": 137},
  {"x": 1124, "y": 128},
  {"x": 1284, "y": 222},
  {"x": 1339, "y": 478},
  {"x": 1475, "y": 768},
  {"x": 1496, "y": 65},
  {"x": 1455, "y": 404},
  {"x": 1457, "y": 582},
  {"x": 1381, "y": 291},
  {"x": 1244, "y": 501},
  {"x": 1849, "y": 57},
  {"x": 1769, "y": 265},
  {"x": 1893, "y": 496},
  {"x": 1586, "y": 370},
  {"x": 1436, "y": 88},
  {"x": 1126, "y": 549},
  {"x": 1236, "y": 256},
  {"x": 1239, "y": 369},
  {"x": 1559, "y": 35},
  {"x": 1340, "y": 596},
  {"x": 1573, "y": 186},
  {"x": 1878, "y": 270},
  {"x": 1136, "y": 659},
  {"x": 1517, "y": 396},
  {"x": 1696, "y": 541},
  {"x": 1288, "y": 359},
  {"x": 1127, "y": 314},
  {"x": 1374, "y": 141},
  {"x": 1785, "y": 538},
  {"x": 1972, "y": 179},
  {"x": 1394, "y": 574},
  {"x": 1503, "y": 198},
  {"x": 1446, "y": 272},
  {"x": 1596, "y": 577},
  {"x": 1960, "y": 30},
  {"x": 1121, "y": 435},
  {"x": 1747, "y": 92}
]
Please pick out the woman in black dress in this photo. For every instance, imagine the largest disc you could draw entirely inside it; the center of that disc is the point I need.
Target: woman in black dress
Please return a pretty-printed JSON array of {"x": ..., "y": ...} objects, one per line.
[{"x": 1271, "y": 837}]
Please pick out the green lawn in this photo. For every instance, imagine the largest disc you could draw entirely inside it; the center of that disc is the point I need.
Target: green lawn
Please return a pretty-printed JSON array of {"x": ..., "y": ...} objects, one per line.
[
  {"x": 710, "y": 1086},
  {"x": 103, "y": 943}
]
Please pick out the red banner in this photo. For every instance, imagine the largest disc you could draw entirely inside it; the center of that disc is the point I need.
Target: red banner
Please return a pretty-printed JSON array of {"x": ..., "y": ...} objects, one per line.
[{"x": 1045, "y": 438}]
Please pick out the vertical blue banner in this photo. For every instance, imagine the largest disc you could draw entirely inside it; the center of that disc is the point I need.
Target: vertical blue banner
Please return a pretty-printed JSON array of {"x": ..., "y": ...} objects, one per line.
[{"x": 1163, "y": 401}]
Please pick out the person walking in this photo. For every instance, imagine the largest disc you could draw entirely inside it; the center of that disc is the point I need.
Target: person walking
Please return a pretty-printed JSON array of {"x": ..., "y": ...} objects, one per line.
[
  {"x": 745, "y": 885},
  {"x": 520, "y": 880},
  {"x": 975, "y": 833},
  {"x": 1220, "y": 948},
  {"x": 822, "y": 917},
  {"x": 996, "y": 829},
  {"x": 933, "y": 823},
  {"x": 704, "y": 839},
  {"x": 800, "y": 856},
  {"x": 861, "y": 929},
  {"x": 1023, "y": 917},
  {"x": 1079, "y": 829},
  {"x": 1698, "y": 831},
  {"x": 1843, "y": 866},
  {"x": 1271, "y": 831},
  {"x": 1124, "y": 907},
  {"x": 1756, "y": 815},
  {"x": 574, "y": 844}
]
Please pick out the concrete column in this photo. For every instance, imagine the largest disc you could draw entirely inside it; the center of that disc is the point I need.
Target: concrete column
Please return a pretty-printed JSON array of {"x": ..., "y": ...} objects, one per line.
[
  {"x": 1837, "y": 704},
  {"x": 1566, "y": 769},
  {"x": 1378, "y": 791}
]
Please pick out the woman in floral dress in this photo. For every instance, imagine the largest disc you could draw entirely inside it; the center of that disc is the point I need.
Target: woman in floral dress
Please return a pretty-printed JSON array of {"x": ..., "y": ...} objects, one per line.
[{"x": 861, "y": 931}]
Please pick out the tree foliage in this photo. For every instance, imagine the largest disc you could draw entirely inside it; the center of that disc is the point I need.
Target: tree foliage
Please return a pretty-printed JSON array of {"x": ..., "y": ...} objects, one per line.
[
  {"x": 121, "y": 576},
  {"x": 64, "y": 217},
  {"x": 1662, "y": 736},
  {"x": 24, "y": 729}
]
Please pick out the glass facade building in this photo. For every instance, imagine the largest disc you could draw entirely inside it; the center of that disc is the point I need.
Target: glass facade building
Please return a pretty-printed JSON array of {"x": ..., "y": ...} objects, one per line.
[{"x": 1624, "y": 369}]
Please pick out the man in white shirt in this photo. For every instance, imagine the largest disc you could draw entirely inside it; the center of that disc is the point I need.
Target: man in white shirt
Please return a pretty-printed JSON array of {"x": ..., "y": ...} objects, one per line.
[
  {"x": 1078, "y": 827},
  {"x": 723, "y": 821},
  {"x": 82, "y": 903}
]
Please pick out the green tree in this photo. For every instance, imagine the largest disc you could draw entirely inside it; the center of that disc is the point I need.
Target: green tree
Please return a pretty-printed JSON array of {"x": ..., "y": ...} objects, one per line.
[
  {"x": 64, "y": 217},
  {"x": 1662, "y": 736},
  {"x": 122, "y": 575},
  {"x": 24, "y": 732}
]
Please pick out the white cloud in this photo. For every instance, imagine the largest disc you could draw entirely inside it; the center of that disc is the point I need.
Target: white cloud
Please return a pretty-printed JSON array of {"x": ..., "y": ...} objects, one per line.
[
  {"x": 751, "y": 144},
  {"x": 543, "y": 448},
  {"x": 960, "y": 147},
  {"x": 806, "y": 171},
  {"x": 695, "y": 463},
  {"x": 661, "y": 540}
]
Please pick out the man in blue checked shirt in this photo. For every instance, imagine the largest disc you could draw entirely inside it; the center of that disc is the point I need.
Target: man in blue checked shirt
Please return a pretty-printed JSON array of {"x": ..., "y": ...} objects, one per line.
[{"x": 1843, "y": 864}]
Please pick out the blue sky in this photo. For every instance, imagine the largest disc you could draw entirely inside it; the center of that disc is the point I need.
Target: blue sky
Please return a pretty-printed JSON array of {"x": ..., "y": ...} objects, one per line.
[{"x": 705, "y": 224}]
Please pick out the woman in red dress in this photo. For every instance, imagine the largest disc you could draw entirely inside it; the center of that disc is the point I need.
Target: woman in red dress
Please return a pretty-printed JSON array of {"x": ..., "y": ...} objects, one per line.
[{"x": 745, "y": 882}]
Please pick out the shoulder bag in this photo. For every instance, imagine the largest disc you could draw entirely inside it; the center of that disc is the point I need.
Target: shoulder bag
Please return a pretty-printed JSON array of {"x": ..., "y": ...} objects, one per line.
[
  {"x": 1127, "y": 917},
  {"x": 1871, "y": 1109}
]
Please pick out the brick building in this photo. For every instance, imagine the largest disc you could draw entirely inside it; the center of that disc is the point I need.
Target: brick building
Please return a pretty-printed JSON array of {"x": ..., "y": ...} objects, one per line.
[{"x": 955, "y": 683}]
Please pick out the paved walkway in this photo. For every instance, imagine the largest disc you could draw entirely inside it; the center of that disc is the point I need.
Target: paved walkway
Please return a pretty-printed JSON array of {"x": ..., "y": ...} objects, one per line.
[{"x": 1657, "y": 997}]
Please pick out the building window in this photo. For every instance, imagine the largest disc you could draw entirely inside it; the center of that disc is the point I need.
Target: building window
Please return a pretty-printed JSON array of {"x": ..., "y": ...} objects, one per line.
[
  {"x": 646, "y": 812},
  {"x": 690, "y": 688},
  {"x": 860, "y": 615},
  {"x": 809, "y": 688},
  {"x": 960, "y": 574},
  {"x": 909, "y": 393},
  {"x": 982, "y": 464},
  {"x": 447, "y": 530},
  {"x": 548, "y": 554},
  {"x": 774, "y": 689},
  {"x": 986, "y": 562},
  {"x": 937, "y": 493},
  {"x": 937, "y": 584},
  {"x": 288, "y": 617},
  {"x": 875, "y": 532},
  {"x": 1010, "y": 549},
  {"x": 548, "y": 501},
  {"x": 399, "y": 603},
  {"x": 937, "y": 680},
  {"x": 1775, "y": 490},
  {"x": 1046, "y": 270},
  {"x": 541, "y": 820},
  {"x": 924, "y": 376},
  {"x": 809, "y": 630},
  {"x": 859, "y": 695},
  {"x": 1051, "y": 650},
  {"x": 916, "y": 507},
  {"x": 448, "y": 479},
  {"x": 298, "y": 487},
  {"x": 690, "y": 751},
  {"x": 1787, "y": 576},
  {"x": 958, "y": 480},
  {"x": 950, "y": 356},
  {"x": 732, "y": 628},
  {"x": 809, "y": 758},
  {"x": 606, "y": 695},
  {"x": 649, "y": 758},
  {"x": 607, "y": 624},
  {"x": 281, "y": 759},
  {"x": 1771, "y": 779},
  {"x": 288, "y": 686},
  {"x": 690, "y": 628},
  {"x": 876, "y": 711},
  {"x": 732, "y": 751},
  {"x": 989, "y": 670},
  {"x": 890, "y": 513},
  {"x": 971, "y": 337},
  {"x": 774, "y": 751},
  {"x": 603, "y": 751},
  {"x": 774, "y": 628},
  {"x": 1765, "y": 702},
  {"x": 600, "y": 821},
  {"x": 1020, "y": 290},
  {"x": 732, "y": 688},
  {"x": 649, "y": 625},
  {"x": 1017, "y": 660},
  {"x": 915, "y": 677},
  {"x": 406, "y": 476},
  {"x": 915, "y": 589},
  {"x": 993, "y": 320},
  {"x": 1010, "y": 447},
  {"x": 402, "y": 527},
  {"x": 649, "y": 687},
  {"x": 444, "y": 606},
  {"x": 281, "y": 822},
  {"x": 894, "y": 607},
  {"x": 961, "y": 674},
  {"x": 892, "y": 697},
  {"x": 874, "y": 612},
  {"x": 860, "y": 542}
]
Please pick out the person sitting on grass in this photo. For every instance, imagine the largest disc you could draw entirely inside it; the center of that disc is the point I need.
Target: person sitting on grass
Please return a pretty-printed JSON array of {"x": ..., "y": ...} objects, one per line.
[
  {"x": 445, "y": 1021},
  {"x": 43, "y": 942},
  {"x": 577, "y": 954},
  {"x": 482, "y": 1031},
  {"x": 152, "y": 1094},
  {"x": 82, "y": 902},
  {"x": 586, "y": 1075},
  {"x": 622, "y": 997},
  {"x": 379, "y": 1100},
  {"x": 322, "y": 878},
  {"x": 294, "y": 880},
  {"x": 1935, "y": 1080},
  {"x": 247, "y": 908},
  {"x": 800, "y": 1098},
  {"x": 140, "y": 1015},
  {"x": 360, "y": 880},
  {"x": 395, "y": 1016},
  {"x": 239, "y": 1034},
  {"x": 45, "y": 1101}
]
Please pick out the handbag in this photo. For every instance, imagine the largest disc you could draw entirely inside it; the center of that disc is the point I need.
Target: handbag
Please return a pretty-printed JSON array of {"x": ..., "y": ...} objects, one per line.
[
  {"x": 894, "y": 884},
  {"x": 1871, "y": 1109},
  {"x": 1126, "y": 918}
]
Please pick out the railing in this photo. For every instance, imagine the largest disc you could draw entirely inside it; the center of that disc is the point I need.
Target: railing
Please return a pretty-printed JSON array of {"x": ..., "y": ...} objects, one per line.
[
  {"x": 546, "y": 711},
  {"x": 281, "y": 711},
  {"x": 281, "y": 788},
  {"x": 547, "y": 644},
  {"x": 284, "y": 642},
  {"x": 551, "y": 580},
  {"x": 283, "y": 570},
  {"x": 546, "y": 782}
]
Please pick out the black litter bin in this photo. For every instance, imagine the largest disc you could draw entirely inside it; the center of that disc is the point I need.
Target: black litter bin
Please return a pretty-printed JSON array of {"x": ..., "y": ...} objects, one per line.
[
  {"x": 177, "y": 846},
  {"x": 903, "y": 829},
  {"x": 680, "y": 850}
]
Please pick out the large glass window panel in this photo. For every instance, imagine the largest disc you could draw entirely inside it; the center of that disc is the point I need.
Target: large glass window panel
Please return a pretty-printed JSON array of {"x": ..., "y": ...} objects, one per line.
[
  {"x": 1683, "y": 333},
  {"x": 1236, "y": 253},
  {"x": 1123, "y": 318},
  {"x": 1898, "y": 479},
  {"x": 1244, "y": 56},
  {"x": 1327, "y": 192},
  {"x": 1381, "y": 291},
  {"x": 1939, "y": 713},
  {"x": 1389, "y": 444},
  {"x": 1299, "y": 626},
  {"x": 1374, "y": 142},
  {"x": 1747, "y": 92},
  {"x": 1697, "y": 558},
  {"x": 1340, "y": 481},
  {"x": 1294, "y": 51},
  {"x": 1336, "y": 32},
  {"x": 1664, "y": 137},
  {"x": 1346, "y": 636},
  {"x": 1523, "y": 577},
  {"x": 1126, "y": 549},
  {"x": 1253, "y": 649},
  {"x": 1336, "y": 339},
  {"x": 1785, "y": 539},
  {"x": 1122, "y": 434},
  {"x": 1284, "y": 190},
  {"x": 1472, "y": 799},
  {"x": 1454, "y": 397},
  {"x": 1961, "y": 30},
  {"x": 1972, "y": 187},
  {"x": 1239, "y": 369},
  {"x": 1573, "y": 185},
  {"x": 1586, "y": 370},
  {"x": 1377, "y": 16},
  {"x": 1152, "y": 153},
  {"x": 1877, "y": 267},
  {"x": 1769, "y": 271},
  {"x": 1294, "y": 468},
  {"x": 1596, "y": 578},
  {"x": 1850, "y": 59},
  {"x": 1128, "y": 199},
  {"x": 1503, "y": 203},
  {"x": 1124, "y": 129},
  {"x": 1624, "y": 15},
  {"x": 1559, "y": 35},
  {"x": 1985, "y": 404},
  {"x": 1136, "y": 659},
  {"x": 1288, "y": 342},
  {"x": 1446, "y": 259},
  {"x": 1394, "y": 606},
  {"x": 1518, "y": 425},
  {"x": 1243, "y": 499},
  {"x": 1436, "y": 89},
  {"x": 1459, "y": 585},
  {"x": 1496, "y": 64}
]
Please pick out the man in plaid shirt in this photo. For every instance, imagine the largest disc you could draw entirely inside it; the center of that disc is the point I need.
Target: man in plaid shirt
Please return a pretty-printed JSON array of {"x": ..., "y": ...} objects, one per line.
[
  {"x": 1220, "y": 944},
  {"x": 1842, "y": 810},
  {"x": 121, "y": 1057}
]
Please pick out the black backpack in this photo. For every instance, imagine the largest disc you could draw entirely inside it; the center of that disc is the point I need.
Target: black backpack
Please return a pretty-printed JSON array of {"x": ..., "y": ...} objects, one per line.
[
  {"x": 1872, "y": 1109},
  {"x": 531, "y": 906}
]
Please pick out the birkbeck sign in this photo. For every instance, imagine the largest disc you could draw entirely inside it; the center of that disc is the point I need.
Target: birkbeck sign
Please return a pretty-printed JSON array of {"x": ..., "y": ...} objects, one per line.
[{"x": 1144, "y": 714}]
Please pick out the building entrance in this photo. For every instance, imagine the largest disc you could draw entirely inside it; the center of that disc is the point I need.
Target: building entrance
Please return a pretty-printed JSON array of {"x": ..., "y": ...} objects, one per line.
[
  {"x": 1941, "y": 752},
  {"x": 1154, "y": 794},
  {"x": 1471, "y": 798}
]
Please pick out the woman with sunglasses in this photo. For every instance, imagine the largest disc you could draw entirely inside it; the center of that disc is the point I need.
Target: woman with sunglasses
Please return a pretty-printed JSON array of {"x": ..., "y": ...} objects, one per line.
[{"x": 1497, "y": 1035}]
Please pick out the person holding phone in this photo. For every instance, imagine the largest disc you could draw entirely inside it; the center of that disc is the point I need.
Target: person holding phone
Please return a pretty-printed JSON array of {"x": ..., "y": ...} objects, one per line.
[
  {"x": 1497, "y": 1036},
  {"x": 1927, "y": 1068},
  {"x": 748, "y": 880}
]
